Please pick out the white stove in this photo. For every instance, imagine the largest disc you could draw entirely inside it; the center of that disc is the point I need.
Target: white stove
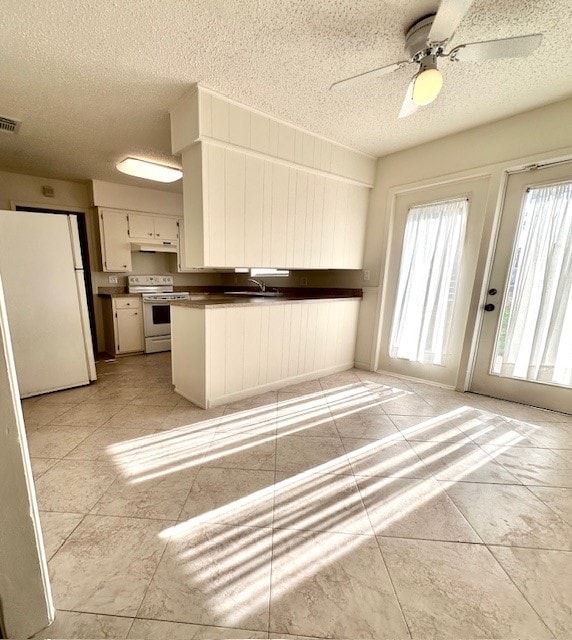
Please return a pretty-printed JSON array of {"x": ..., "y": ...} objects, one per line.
[
  {"x": 157, "y": 294},
  {"x": 165, "y": 296}
]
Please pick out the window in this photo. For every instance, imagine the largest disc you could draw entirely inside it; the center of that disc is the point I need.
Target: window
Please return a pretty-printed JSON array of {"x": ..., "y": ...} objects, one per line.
[{"x": 428, "y": 275}]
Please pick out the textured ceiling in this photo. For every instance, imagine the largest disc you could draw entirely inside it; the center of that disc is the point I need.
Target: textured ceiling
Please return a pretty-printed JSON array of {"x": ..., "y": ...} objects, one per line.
[{"x": 93, "y": 80}]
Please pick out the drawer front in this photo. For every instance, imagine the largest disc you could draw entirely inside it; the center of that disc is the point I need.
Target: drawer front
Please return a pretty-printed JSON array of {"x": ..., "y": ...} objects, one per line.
[{"x": 127, "y": 303}]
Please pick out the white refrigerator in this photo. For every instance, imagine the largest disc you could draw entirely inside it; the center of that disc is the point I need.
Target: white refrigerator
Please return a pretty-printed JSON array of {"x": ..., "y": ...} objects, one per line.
[{"x": 46, "y": 302}]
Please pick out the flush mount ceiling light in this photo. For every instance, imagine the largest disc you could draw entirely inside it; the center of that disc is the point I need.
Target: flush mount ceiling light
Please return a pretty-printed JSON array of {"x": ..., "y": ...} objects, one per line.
[{"x": 149, "y": 170}]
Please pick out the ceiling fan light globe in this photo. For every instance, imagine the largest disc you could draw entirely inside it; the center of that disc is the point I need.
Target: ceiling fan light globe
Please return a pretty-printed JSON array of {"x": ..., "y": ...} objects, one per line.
[{"x": 427, "y": 86}]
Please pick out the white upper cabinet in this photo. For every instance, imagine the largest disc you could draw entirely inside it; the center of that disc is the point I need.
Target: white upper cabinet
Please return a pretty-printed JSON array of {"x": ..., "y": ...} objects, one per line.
[
  {"x": 147, "y": 227},
  {"x": 115, "y": 246},
  {"x": 141, "y": 226},
  {"x": 119, "y": 229},
  {"x": 165, "y": 228},
  {"x": 259, "y": 192}
]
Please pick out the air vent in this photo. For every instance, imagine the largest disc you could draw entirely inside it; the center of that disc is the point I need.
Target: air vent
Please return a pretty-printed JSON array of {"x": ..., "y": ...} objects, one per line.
[{"x": 9, "y": 125}]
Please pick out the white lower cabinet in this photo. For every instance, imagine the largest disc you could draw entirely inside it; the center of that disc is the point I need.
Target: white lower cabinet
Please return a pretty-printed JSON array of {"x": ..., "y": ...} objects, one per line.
[
  {"x": 225, "y": 353},
  {"x": 123, "y": 323}
]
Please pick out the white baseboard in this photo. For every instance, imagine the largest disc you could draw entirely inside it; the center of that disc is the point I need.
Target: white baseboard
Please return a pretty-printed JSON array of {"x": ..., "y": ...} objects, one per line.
[
  {"x": 270, "y": 386},
  {"x": 420, "y": 380}
]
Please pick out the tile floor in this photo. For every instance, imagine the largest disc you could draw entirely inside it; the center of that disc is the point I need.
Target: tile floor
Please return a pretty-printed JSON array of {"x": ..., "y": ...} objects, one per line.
[{"x": 356, "y": 506}]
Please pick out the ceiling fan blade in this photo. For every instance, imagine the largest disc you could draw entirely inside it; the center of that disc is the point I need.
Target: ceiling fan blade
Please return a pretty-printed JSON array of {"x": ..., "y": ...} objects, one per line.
[
  {"x": 449, "y": 15},
  {"x": 505, "y": 48},
  {"x": 408, "y": 108},
  {"x": 367, "y": 75}
]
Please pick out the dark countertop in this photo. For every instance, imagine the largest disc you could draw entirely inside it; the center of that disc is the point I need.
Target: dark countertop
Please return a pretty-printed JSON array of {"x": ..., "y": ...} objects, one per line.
[
  {"x": 228, "y": 300},
  {"x": 206, "y": 296},
  {"x": 115, "y": 292}
]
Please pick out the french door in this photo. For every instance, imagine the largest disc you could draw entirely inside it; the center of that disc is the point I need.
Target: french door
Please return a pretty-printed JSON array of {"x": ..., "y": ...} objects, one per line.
[
  {"x": 524, "y": 351},
  {"x": 434, "y": 245}
]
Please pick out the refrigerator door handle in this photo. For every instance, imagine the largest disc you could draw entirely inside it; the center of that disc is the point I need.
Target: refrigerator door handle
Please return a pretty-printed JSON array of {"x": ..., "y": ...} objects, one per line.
[
  {"x": 85, "y": 324},
  {"x": 75, "y": 243}
]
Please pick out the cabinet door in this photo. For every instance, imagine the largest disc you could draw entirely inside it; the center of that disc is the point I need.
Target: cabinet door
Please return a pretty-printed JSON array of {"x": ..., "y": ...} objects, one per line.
[
  {"x": 128, "y": 330},
  {"x": 141, "y": 226},
  {"x": 115, "y": 247},
  {"x": 165, "y": 228},
  {"x": 181, "y": 253}
]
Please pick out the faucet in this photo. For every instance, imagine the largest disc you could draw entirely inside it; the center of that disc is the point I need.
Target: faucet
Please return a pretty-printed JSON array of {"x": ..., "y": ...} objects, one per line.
[{"x": 260, "y": 284}]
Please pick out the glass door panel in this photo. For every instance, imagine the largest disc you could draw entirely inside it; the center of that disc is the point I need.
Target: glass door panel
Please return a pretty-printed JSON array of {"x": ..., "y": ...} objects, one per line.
[
  {"x": 525, "y": 348},
  {"x": 429, "y": 279}
]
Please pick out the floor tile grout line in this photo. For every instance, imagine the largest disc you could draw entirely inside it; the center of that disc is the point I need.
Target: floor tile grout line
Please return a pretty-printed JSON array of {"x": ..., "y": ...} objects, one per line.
[
  {"x": 405, "y": 620},
  {"x": 477, "y": 544},
  {"x": 130, "y": 627},
  {"x": 67, "y": 537},
  {"x": 154, "y": 572},
  {"x": 499, "y": 563},
  {"x": 548, "y": 505},
  {"x": 383, "y": 559},
  {"x": 79, "y": 443},
  {"x": 184, "y": 502},
  {"x": 504, "y": 485},
  {"x": 272, "y": 535},
  {"x": 134, "y": 618},
  {"x": 96, "y": 613}
]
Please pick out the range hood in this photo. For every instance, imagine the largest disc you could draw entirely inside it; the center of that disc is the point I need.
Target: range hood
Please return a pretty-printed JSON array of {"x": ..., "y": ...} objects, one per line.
[{"x": 169, "y": 246}]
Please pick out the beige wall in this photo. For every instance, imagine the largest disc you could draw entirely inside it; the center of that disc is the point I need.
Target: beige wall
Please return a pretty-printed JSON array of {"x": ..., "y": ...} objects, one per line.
[
  {"x": 490, "y": 149},
  {"x": 27, "y": 190},
  {"x": 120, "y": 196}
]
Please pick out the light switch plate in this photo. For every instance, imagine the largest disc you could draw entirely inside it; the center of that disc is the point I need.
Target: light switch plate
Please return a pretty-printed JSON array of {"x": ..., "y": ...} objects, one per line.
[
  {"x": 366, "y": 275},
  {"x": 112, "y": 279}
]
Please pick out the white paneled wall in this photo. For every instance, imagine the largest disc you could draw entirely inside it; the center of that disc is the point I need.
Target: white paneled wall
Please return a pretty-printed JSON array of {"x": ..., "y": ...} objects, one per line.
[
  {"x": 252, "y": 348},
  {"x": 261, "y": 213},
  {"x": 273, "y": 195},
  {"x": 236, "y": 124}
]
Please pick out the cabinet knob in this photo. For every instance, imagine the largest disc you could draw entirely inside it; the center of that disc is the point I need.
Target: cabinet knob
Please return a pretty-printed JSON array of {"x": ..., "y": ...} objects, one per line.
[
  {"x": 125, "y": 266},
  {"x": 149, "y": 234},
  {"x": 158, "y": 235}
]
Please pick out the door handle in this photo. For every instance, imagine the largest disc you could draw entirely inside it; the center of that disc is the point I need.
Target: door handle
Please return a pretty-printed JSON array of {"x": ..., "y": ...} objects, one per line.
[{"x": 489, "y": 307}]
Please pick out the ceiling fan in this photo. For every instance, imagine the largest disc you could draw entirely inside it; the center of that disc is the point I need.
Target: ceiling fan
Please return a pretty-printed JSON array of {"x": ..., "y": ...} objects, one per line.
[{"x": 427, "y": 40}]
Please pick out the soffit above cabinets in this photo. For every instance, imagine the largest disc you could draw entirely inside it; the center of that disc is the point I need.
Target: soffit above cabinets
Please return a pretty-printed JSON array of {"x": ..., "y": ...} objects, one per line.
[{"x": 93, "y": 81}]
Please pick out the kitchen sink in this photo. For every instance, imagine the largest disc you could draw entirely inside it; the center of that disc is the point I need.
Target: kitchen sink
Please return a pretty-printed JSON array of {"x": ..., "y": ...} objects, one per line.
[{"x": 255, "y": 294}]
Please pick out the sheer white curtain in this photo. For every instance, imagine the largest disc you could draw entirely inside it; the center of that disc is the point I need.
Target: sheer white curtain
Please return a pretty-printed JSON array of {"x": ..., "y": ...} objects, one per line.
[
  {"x": 428, "y": 274},
  {"x": 535, "y": 336}
]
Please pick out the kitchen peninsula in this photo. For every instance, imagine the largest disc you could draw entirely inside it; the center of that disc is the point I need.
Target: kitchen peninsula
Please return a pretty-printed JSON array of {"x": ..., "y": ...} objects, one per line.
[{"x": 229, "y": 347}]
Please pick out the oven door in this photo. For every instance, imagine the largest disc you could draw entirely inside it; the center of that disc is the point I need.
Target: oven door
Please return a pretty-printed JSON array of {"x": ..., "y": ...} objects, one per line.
[{"x": 156, "y": 318}]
